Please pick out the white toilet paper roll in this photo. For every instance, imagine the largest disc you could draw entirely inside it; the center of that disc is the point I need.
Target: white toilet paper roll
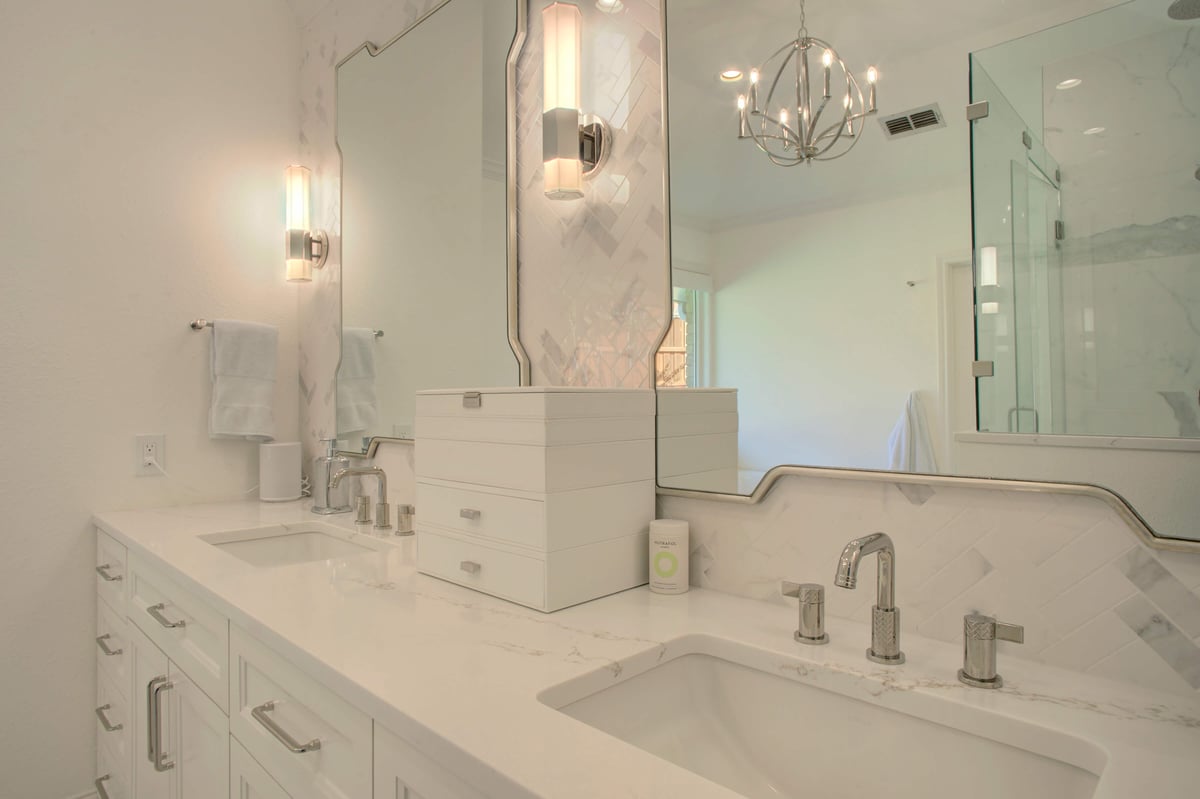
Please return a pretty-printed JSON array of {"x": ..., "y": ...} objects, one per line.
[{"x": 279, "y": 471}]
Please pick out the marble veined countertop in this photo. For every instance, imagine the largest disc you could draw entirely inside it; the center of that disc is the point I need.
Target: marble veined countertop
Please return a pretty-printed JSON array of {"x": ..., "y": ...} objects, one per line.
[{"x": 458, "y": 673}]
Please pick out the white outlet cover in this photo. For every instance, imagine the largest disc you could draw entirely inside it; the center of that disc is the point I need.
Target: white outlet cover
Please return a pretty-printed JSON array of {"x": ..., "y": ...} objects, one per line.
[{"x": 156, "y": 440}]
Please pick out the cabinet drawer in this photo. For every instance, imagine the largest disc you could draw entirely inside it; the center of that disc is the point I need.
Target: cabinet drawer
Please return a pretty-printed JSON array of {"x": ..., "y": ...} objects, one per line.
[
  {"x": 504, "y": 517},
  {"x": 114, "y": 720},
  {"x": 112, "y": 776},
  {"x": 278, "y": 710},
  {"x": 247, "y": 779},
  {"x": 185, "y": 628},
  {"x": 112, "y": 647},
  {"x": 507, "y": 575},
  {"x": 111, "y": 568},
  {"x": 401, "y": 772}
]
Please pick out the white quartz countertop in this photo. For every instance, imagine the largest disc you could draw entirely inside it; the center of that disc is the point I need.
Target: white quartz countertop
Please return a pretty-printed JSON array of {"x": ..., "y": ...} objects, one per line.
[{"x": 458, "y": 673}]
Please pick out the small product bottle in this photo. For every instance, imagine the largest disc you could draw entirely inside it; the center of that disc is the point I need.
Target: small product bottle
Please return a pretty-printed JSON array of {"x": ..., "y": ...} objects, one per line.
[{"x": 668, "y": 556}]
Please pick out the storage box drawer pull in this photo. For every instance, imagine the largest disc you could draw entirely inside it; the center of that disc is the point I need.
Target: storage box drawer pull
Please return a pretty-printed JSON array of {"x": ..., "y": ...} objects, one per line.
[
  {"x": 103, "y": 571},
  {"x": 99, "y": 783},
  {"x": 470, "y": 513},
  {"x": 156, "y": 613},
  {"x": 102, "y": 642},
  {"x": 260, "y": 715},
  {"x": 102, "y": 714},
  {"x": 470, "y": 567}
]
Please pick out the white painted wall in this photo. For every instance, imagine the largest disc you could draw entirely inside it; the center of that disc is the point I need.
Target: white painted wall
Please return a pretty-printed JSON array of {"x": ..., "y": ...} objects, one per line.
[
  {"x": 814, "y": 324},
  {"x": 144, "y": 145}
]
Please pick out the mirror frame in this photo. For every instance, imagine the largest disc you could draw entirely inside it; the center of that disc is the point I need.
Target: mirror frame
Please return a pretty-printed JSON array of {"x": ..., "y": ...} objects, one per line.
[
  {"x": 1141, "y": 529},
  {"x": 510, "y": 107}
]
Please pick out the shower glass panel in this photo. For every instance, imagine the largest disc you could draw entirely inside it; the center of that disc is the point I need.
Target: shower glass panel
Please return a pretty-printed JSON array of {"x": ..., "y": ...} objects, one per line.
[{"x": 1086, "y": 215}]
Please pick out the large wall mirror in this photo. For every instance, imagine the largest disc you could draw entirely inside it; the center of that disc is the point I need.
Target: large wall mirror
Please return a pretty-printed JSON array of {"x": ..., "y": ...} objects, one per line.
[
  {"x": 425, "y": 130},
  {"x": 1016, "y": 296}
]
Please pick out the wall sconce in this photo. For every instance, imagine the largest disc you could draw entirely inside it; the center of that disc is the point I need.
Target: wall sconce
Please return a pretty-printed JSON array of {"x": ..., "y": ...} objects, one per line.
[
  {"x": 574, "y": 146},
  {"x": 989, "y": 266},
  {"x": 304, "y": 248}
]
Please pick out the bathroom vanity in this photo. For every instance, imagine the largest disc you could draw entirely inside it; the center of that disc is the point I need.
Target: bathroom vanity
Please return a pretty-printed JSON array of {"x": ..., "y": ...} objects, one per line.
[{"x": 258, "y": 652}]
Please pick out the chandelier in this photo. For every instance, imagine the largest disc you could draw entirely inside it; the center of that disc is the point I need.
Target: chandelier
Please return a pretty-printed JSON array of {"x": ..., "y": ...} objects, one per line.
[{"x": 787, "y": 124}]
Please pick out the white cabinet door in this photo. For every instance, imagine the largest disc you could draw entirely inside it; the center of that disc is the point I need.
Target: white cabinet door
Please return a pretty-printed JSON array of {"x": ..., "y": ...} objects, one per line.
[
  {"x": 247, "y": 779},
  {"x": 151, "y": 673},
  {"x": 401, "y": 772},
  {"x": 197, "y": 743}
]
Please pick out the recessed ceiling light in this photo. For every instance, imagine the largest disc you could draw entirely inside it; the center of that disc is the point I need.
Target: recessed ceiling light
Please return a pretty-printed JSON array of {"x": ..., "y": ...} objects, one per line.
[
  {"x": 730, "y": 75},
  {"x": 1069, "y": 83},
  {"x": 1093, "y": 131},
  {"x": 610, "y": 6}
]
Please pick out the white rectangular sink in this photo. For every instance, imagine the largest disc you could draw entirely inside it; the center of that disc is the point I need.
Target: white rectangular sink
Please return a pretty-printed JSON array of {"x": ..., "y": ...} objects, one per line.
[
  {"x": 754, "y": 723},
  {"x": 285, "y": 545}
]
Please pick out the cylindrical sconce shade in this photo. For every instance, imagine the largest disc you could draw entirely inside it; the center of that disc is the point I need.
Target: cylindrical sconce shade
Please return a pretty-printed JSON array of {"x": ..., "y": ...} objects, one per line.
[
  {"x": 562, "y": 31},
  {"x": 562, "y": 34},
  {"x": 989, "y": 266},
  {"x": 296, "y": 182}
]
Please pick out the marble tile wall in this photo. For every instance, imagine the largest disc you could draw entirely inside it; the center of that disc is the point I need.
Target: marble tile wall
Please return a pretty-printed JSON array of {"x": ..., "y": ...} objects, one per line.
[{"x": 1090, "y": 596}]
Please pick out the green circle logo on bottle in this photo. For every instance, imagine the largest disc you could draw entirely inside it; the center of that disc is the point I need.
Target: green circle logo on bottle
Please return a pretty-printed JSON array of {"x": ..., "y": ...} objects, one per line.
[{"x": 665, "y": 564}]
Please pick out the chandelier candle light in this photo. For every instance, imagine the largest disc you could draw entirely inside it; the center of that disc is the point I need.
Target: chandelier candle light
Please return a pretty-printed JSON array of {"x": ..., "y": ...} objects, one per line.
[{"x": 794, "y": 89}]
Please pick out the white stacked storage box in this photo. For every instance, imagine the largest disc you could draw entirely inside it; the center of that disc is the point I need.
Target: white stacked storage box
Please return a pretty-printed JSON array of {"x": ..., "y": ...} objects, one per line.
[
  {"x": 698, "y": 439},
  {"x": 539, "y": 495}
]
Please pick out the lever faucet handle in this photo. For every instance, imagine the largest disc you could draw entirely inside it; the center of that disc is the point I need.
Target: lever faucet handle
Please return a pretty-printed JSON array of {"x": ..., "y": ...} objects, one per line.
[
  {"x": 980, "y": 634},
  {"x": 1010, "y": 632},
  {"x": 811, "y": 628}
]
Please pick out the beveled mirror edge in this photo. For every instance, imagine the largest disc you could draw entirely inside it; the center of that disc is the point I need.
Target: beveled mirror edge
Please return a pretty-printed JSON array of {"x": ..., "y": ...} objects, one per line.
[
  {"x": 510, "y": 85},
  {"x": 1143, "y": 531}
]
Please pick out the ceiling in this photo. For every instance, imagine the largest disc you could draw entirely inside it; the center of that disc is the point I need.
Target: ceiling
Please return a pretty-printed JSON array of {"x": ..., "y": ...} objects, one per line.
[{"x": 921, "y": 50}]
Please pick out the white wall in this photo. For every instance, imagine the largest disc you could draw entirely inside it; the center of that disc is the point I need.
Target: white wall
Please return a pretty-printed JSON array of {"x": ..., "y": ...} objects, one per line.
[
  {"x": 814, "y": 323},
  {"x": 144, "y": 145}
]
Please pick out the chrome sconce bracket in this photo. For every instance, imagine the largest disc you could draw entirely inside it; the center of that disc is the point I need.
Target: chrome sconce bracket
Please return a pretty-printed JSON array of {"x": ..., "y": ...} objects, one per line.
[
  {"x": 307, "y": 245},
  {"x": 567, "y": 134}
]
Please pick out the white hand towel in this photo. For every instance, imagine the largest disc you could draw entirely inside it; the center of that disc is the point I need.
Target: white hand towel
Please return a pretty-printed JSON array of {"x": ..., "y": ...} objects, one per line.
[
  {"x": 910, "y": 448},
  {"x": 243, "y": 375},
  {"x": 357, "y": 404}
]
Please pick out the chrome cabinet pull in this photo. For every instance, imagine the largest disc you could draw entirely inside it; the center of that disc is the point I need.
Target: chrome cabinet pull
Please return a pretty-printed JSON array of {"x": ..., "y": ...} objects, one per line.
[
  {"x": 155, "y": 752},
  {"x": 155, "y": 612},
  {"x": 101, "y": 642},
  {"x": 99, "y": 783},
  {"x": 102, "y": 570},
  {"x": 260, "y": 715},
  {"x": 469, "y": 513},
  {"x": 470, "y": 567},
  {"x": 103, "y": 716}
]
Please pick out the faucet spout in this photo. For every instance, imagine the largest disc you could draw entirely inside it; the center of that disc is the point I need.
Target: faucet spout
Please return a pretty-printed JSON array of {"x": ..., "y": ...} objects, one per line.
[{"x": 852, "y": 555}]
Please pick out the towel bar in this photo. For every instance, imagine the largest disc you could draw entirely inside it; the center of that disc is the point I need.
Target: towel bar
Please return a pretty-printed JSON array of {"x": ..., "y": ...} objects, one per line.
[{"x": 200, "y": 324}]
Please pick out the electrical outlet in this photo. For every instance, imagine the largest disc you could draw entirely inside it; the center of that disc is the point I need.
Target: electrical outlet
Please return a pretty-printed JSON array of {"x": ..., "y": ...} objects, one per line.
[{"x": 148, "y": 450}]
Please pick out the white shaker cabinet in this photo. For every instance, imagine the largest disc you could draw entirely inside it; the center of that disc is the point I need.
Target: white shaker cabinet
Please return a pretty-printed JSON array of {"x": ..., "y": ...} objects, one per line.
[
  {"x": 180, "y": 737},
  {"x": 401, "y": 772},
  {"x": 247, "y": 779}
]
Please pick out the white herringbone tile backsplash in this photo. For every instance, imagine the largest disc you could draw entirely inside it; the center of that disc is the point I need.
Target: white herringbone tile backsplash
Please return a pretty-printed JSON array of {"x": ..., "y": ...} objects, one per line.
[{"x": 1090, "y": 596}]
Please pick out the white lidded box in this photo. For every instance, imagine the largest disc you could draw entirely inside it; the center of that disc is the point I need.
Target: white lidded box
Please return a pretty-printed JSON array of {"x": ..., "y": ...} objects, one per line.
[{"x": 539, "y": 495}]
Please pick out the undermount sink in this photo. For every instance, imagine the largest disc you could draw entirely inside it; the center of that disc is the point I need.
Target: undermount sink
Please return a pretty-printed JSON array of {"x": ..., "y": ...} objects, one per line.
[
  {"x": 286, "y": 545},
  {"x": 755, "y": 723}
]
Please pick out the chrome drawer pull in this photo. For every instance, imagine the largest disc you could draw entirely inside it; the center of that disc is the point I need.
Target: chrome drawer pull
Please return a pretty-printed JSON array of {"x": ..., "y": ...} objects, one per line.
[
  {"x": 100, "y": 642},
  {"x": 469, "y": 513},
  {"x": 102, "y": 570},
  {"x": 155, "y": 752},
  {"x": 260, "y": 715},
  {"x": 108, "y": 725},
  {"x": 155, "y": 612},
  {"x": 470, "y": 567},
  {"x": 99, "y": 783}
]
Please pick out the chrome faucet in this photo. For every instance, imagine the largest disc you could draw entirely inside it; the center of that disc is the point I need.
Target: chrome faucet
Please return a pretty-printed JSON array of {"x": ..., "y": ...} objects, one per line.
[
  {"x": 980, "y": 634},
  {"x": 382, "y": 513},
  {"x": 885, "y": 616}
]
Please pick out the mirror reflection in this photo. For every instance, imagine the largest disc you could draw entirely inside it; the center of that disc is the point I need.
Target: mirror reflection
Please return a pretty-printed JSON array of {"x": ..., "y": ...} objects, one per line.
[
  {"x": 828, "y": 313},
  {"x": 424, "y": 216}
]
